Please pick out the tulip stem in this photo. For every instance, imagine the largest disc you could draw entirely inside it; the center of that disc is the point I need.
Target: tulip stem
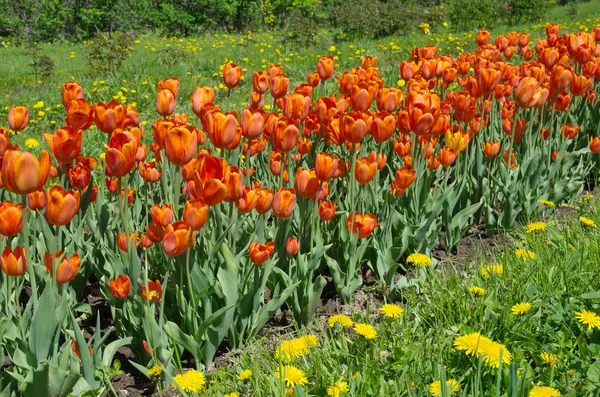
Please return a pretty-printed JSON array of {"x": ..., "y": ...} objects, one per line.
[
  {"x": 352, "y": 187},
  {"x": 30, "y": 269},
  {"x": 54, "y": 258},
  {"x": 510, "y": 148},
  {"x": 177, "y": 193}
]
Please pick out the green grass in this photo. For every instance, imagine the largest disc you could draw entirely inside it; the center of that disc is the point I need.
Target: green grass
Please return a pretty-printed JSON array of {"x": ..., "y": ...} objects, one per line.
[
  {"x": 411, "y": 352},
  {"x": 200, "y": 59}
]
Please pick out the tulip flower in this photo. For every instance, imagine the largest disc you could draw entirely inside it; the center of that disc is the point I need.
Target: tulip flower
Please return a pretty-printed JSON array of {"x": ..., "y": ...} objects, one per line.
[
  {"x": 201, "y": 97},
  {"x": 162, "y": 214},
  {"x": 79, "y": 176},
  {"x": 296, "y": 106},
  {"x": 223, "y": 130},
  {"x": 252, "y": 123},
  {"x": 260, "y": 82},
  {"x": 278, "y": 85},
  {"x": 383, "y": 126},
  {"x": 171, "y": 84},
  {"x": 71, "y": 91},
  {"x": 327, "y": 210},
  {"x": 120, "y": 154},
  {"x": 13, "y": 262},
  {"x": 122, "y": 242},
  {"x": 65, "y": 143},
  {"x": 195, "y": 214},
  {"x": 18, "y": 118},
  {"x": 11, "y": 218},
  {"x": 447, "y": 156},
  {"x": 292, "y": 245},
  {"x": 80, "y": 115},
  {"x": 595, "y": 144},
  {"x": 313, "y": 79},
  {"x": 176, "y": 239},
  {"x": 284, "y": 202},
  {"x": 365, "y": 170},
  {"x": 403, "y": 178},
  {"x": 36, "y": 200},
  {"x": 120, "y": 286},
  {"x": 65, "y": 268},
  {"x": 108, "y": 116},
  {"x": 149, "y": 172},
  {"x": 23, "y": 173},
  {"x": 154, "y": 293},
  {"x": 260, "y": 253},
  {"x": 363, "y": 224},
  {"x": 232, "y": 74},
  {"x": 265, "y": 200},
  {"x": 306, "y": 183},
  {"x": 165, "y": 103},
  {"x": 491, "y": 149},
  {"x": 325, "y": 166},
  {"x": 181, "y": 144},
  {"x": 285, "y": 136},
  {"x": 325, "y": 67}
]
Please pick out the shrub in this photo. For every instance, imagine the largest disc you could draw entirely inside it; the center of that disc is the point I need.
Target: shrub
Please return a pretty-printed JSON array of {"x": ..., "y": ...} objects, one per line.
[
  {"x": 470, "y": 15},
  {"x": 523, "y": 11},
  {"x": 105, "y": 54}
]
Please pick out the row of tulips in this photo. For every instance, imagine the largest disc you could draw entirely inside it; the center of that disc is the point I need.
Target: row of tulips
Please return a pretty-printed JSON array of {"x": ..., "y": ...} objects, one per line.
[{"x": 204, "y": 231}]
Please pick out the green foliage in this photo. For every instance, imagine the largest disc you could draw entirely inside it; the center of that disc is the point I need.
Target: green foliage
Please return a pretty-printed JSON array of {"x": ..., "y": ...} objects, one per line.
[
  {"x": 106, "y": 54},
  {"x": 301, "y": 30},
  {"x": 42, "y": 65},
  {"x": 470, "y": 15},
  {"x": 523, "y": 11}
]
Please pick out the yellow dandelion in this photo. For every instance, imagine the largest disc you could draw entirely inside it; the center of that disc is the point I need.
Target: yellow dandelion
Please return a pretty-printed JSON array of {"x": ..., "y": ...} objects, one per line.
[
  {"x": 490, "y": 270},
  {"x": 365, "y": 330},
  {"x": 544, "y": 391},
  {"x": 520, "y": 308},
  {"x": 232, "y": 394},
  {"x": 245, "y": 375},
  {"x": 469, "y": 343},
  {"x": 337, "y": 389},
  {"x": 547, "y": 203},
  {"x": 294, "y": 348},
  {"x": 310, "y": 340},
  {"x": 588, "y": 196},
  {"x": 292, "y": 376},
  {"x": 549, "y": 359},
  {"x": 155, "y": 371},
  {"x": 340, "y": 319},
  {"x": 419, "y": 260},
  {"x": 475, "y": 344},
  {"x": 38, "y": 105},
  {"x": 32, "y": 143},
  {"x": 477, "y": 291},
  {"x": 436, "y": 387},
  {"x": 192, "y": 381},
  {"x": 102, "y": 156},
  {"x": 587, "y": 221},
  {"x": 591, "y": 319},
  {"x": 391, "y": 311},
  {"x": 536, "y": 227},
  {"x": 524, "y": 254}
]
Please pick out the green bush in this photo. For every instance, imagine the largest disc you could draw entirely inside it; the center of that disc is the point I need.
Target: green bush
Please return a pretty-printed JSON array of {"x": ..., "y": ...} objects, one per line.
[
  {"x": 523, "y": 11},
  {"x": 470, "y": 15}
]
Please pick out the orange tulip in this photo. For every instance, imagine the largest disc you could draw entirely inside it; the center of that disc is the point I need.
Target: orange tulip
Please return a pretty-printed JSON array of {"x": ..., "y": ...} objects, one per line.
[
  {"x": 278, "y": 85},
  {"x": 79, "y": 114},
  {"x": 223, "y": 130},
  {"x": 325, "y": 67},
  {"x": 181, "y": 144},
  {"x": 408, "y": 69},
  {"x": 108, "y": 116},
  {"x": 149, "y": 172},
  {"x": 260, "y": 82},
  {"x": 18, "y": 117},
  {"x": 120, "y": 287},
  {"x": 66, "y": 268},
  {"x": 201, "y": 97},
  {"x": 265, "y": 200},
  {"x": 71, "y": 91},
  {"x": 65, "y": 143},
  {"x": 154, "y": 232},
  {"x": 145, "y": 241},
  {"x": 482, "y": 37},
  {"x": 327, "y": 210},
  {"x": 363, "y": 224},
  {"x": 362, "y": 95},
  {"x": 171, "y": 84},
  {"x": 365, "y": 170},
  {"x": 120, "y": 154},
  {"x": 61, "y": 205},
  {"x": 247, "y": 202},
  {"x": 14, "y": 263},
  {"x": 388, "y": 99},
  {"x": 154, "y": 293},
  {"x": 491, "y": 148},
  {"x": 402, "y": 146},
  {"x": 11, "y": 218},
  {"x": 232, "y": 74},
  {"x": 354, "y": 126},
  {"x": 527, "y": 93},
  {"x": 260, "y": 253},
  {"x": 296, "y": 106},
  {"x": 403, "y": 178},
  {"x": 177, "y": 239},
  {"x": 595, "y": 144},
  {"x": 383, "y": 126},
  {"x": 233, "y": 181},
  {"x": 292, "y": 245},
  {"x": 36, "y": 200},
  {"x": 446, "y": 156},
  {"x": 162, "y": 214},
  {"x": 325, "y": 166},
  {"x": 22, "y": 173},
  {"x": 580, "y": 84},
  {"x": 306, "y": 183},
  {"x": 79, "y": 176},
  {"x": 195, "y": 214},
  {"x": 284, "y": 202},
  {"x": 165, "y": 103},
  {"x": 285, "y": 136},
  {"x": 252, "y": 123},
  {"x": 570, "y": 131},
  {"x": 313, "y": 79}
]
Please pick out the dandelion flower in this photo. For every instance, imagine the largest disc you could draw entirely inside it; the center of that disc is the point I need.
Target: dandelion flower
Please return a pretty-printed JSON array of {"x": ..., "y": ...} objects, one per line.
[
  {"x": 32, "y": 143},
  {"x": 292, "y": 376},
  {"x": 469, "y": 343},
  {"x": 549, "y": 359},
  {"x": 291, "y": 349},
  {"x": 475, "y": 344},
  {"x": 490, "y": 270},
  {"x": 543, "y": 391},
  {"x": 587, "y": 221},
  {"x": 520, "y": 308},
  {"x": 340, "y": 319},
  {"x": 536, "y": 227},
  {"x": 391, "y": 311},
  {"x": 419, "y": 260},
  {"x": 337, "y": 389},
  {"x": 245, "y": 375},
  {"x": 310, "y": 340},
  {"x": 524, "y": 254},
  {"x": 547, "y": 203},
  {"x": 192, "y": 381},
  {"x": 436, "y": 387},
  {"x": 232, "y": 394},
  {"x": 591, "y": 319},
  {"x": 365, "y": 330},
  {"x": 477, "y": 291},
  {"x": 155, "y": 371}
]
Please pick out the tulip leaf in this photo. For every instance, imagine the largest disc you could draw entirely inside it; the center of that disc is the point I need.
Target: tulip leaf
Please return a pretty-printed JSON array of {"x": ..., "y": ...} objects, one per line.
[
  {"x": 86, "y": 359},
  {"x": 44, "y": 326},
  {"x": 48, "y": 380},
  {"x": 111, "y": 349}
]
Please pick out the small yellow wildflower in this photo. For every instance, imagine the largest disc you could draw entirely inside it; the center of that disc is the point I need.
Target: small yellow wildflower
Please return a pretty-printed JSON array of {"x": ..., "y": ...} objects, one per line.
[
  {"x": 32, "y": 143},
  {"x": 520, "y": 308},
  {"x": 292, "y": 376},
  {"x": 475, "y": 344},
  {"x": 245, "y": 375},
  {"x": 436, "y": 387},
  {"x": 477, "y": 291},
  {"x": 591, "y": 319},
  {"x": 38, "y": 105},
  {"x": 340, "y": 319},
  {"x": 524, "y": 254},
  {"x": 420, "y": 260},
  {"x": 488, "y": 271},
  {"x": 391, "y": 311},
  {"x": 547, "y": 203},
  {"x": 543, "y": 391},
  {"x": 232, "y": 394},
  {"x": 365, "y": 330},
  {"x": 192, "y": 381},
  {"x": 536, "y": 227},
  {"x": 549, "y": 359},
  {"x": 587, "y": 221},
  {"x": 155, "y": 371},
  {"x": 337, "y": 389}
]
